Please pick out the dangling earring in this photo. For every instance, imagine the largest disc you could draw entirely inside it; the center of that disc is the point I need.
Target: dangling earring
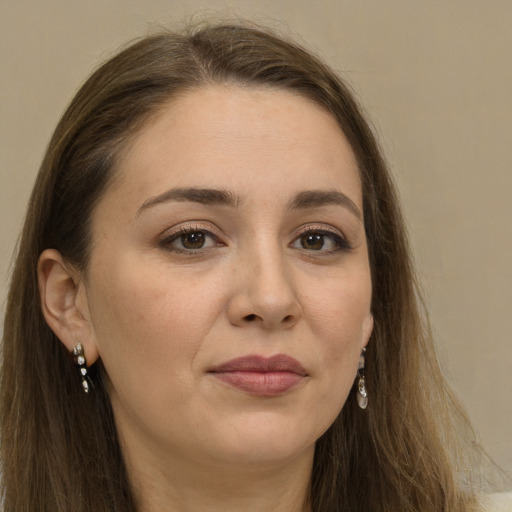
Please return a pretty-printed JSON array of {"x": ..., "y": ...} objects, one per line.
[
  {"x": 79, "y": 358},
  {"x": 362, "y": 392}
]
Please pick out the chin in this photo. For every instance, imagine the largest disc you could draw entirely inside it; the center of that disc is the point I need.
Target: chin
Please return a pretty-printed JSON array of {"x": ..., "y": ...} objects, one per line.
[
  {"x": 265, "y": 441},
  {"x": 265, "y": 455}
]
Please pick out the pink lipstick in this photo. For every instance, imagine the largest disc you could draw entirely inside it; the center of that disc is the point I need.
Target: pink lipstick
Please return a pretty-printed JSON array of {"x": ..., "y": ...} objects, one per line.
[{"x": 261, "y": 376}]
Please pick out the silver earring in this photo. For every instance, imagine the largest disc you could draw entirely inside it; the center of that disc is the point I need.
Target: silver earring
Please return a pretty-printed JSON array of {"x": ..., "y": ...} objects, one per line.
[
  {"x": 362, "y": 392},
  {"x": 79, "y": 358}
]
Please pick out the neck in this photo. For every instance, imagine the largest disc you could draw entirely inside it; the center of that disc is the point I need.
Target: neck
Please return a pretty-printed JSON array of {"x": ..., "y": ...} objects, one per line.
[{"x": 177, "y": 485}]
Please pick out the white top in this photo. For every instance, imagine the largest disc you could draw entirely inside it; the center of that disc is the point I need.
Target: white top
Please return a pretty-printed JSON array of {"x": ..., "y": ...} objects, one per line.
[{"x": 498, "y": 502}]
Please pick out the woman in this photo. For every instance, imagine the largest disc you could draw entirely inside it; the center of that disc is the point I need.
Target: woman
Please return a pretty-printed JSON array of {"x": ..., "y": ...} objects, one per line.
[{"x": 228, "y": 314}]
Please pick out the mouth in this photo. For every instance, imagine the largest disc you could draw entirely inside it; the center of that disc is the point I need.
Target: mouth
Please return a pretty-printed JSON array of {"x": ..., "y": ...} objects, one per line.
[{"x": 261, "y": 376}]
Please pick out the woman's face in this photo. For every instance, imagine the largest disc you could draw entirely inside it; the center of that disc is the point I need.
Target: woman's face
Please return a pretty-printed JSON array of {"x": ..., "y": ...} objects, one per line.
[{"x": 228, "y": 291}]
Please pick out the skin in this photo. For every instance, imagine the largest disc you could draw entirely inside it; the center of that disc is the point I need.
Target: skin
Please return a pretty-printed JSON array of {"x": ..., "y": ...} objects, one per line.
[{"x": 161, "y": 314}]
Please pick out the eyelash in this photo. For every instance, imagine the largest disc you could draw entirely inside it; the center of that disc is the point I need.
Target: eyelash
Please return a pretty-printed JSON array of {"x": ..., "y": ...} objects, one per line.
[
  {"x": 188, "y": 229},
  {"x": 339, "y": 241}
]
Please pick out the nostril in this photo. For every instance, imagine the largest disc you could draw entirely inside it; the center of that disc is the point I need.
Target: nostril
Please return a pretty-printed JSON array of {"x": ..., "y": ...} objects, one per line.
[{"x": 288, "y": 319}]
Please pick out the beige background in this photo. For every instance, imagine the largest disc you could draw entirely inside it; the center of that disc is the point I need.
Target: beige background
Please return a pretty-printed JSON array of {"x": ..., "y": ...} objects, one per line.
[{"x": 435, "y": 77}]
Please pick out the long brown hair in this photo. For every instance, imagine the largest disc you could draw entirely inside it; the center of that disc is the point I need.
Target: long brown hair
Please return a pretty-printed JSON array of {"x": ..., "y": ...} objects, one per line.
[{"x": 59, "y": 447}]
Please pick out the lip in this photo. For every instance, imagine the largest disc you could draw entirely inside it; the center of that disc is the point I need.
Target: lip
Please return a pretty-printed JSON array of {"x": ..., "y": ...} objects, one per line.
[{"x": 262, "y": 376}]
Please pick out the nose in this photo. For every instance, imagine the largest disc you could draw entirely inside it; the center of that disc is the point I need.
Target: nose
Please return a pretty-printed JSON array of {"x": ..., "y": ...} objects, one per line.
[{"x": 264, "y": 293}]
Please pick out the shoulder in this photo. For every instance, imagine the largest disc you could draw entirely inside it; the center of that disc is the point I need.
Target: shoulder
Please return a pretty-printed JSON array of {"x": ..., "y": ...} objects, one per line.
[{"x": 497, "y": 502}]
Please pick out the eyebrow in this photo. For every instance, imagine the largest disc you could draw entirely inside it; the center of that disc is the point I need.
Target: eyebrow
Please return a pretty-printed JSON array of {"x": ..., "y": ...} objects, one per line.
[
  {"x": 207, "y": 196},
  {"x": 211, "y": 196},
  {"x": 319, "y": 198}
]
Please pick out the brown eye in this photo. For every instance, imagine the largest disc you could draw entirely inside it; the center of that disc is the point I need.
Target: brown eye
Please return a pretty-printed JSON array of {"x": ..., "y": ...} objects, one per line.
[
  {"x": 190, "y": 240},
  {"x": 323, "y": 242},
  {"x": 312, "y": 241},
  {"x": 194, "y": 240}
]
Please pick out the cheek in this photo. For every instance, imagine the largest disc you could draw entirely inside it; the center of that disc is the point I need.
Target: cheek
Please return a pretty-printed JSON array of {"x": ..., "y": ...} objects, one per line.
[
  {"x": 339, "y": 314},
  {"x": 339, "y": 319},
  {"x": 148, "y": 323}
]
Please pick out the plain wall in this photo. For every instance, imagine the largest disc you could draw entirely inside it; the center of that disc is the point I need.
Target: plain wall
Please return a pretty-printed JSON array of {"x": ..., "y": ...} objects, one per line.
[{"x": 435, "y": 78}]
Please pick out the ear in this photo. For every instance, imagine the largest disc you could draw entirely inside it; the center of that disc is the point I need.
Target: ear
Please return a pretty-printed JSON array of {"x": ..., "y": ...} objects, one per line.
[
  {"x": 367, "y": 329},
  {"x": 64, "y": 303}
]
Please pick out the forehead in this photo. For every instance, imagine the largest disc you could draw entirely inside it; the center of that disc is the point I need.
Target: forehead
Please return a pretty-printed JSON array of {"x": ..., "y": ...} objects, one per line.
[{"x": 239, "y": 138}]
